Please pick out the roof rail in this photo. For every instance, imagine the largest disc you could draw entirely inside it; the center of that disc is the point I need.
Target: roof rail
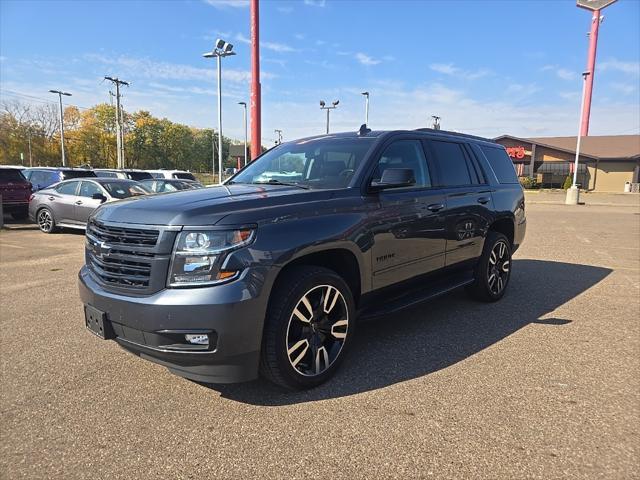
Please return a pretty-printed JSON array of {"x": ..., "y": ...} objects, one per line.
[{"x": 454, "y": 134}]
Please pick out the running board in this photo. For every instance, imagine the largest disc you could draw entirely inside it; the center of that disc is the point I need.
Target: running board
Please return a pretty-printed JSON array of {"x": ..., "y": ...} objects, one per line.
[{"x": 414, "y": 297}]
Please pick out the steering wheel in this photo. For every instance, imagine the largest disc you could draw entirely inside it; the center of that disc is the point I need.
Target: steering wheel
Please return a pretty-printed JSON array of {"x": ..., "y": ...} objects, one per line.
[{"x": 346, "y": 173}]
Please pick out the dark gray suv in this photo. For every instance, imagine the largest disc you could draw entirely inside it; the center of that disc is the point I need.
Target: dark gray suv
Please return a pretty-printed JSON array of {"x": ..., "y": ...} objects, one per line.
[{"x": 271, "y": 272}]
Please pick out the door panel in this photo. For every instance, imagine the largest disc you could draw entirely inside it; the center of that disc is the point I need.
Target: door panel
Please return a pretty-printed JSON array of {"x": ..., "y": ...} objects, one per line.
[
  {"x": 409, "y": 238},
  {"x": 84, "y": 204},
  {"x": 63, "y": 202}
]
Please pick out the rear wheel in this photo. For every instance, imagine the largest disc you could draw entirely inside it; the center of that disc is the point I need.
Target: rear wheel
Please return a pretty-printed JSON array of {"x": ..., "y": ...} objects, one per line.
[
  {"x": 46, "y": 221},
  {"x": 309, "y": 326},
  {"x": 493, "y": 270}
]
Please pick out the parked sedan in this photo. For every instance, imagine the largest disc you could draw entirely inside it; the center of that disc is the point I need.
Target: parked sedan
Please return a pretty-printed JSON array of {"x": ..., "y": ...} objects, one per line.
[
  {"x": 69, "y": 203},
  {"x": 165, "y": 185}
]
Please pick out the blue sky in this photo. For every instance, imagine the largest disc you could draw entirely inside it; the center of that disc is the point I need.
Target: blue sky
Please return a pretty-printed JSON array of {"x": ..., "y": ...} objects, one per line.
[{"x": 488, "y": 68}]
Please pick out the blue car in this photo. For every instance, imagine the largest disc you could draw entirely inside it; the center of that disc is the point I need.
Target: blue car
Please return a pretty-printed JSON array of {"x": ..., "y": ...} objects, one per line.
[{"x": 42, "y": 177}]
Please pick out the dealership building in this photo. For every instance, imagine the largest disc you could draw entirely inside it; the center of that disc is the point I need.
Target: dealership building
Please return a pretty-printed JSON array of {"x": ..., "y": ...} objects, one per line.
[{"x": 606, "y": 163}]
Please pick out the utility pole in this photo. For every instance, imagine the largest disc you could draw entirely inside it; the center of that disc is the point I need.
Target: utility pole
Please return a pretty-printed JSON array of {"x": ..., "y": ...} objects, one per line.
[
  {"x": 119, "y": 120},
  {"x": 29, "y": 137},
  {"x": 436, "y": 122},
  {"x": 323, "y": 106},
  {"x": 279, "y": 132},
  {"x": 60, "y": 93}
]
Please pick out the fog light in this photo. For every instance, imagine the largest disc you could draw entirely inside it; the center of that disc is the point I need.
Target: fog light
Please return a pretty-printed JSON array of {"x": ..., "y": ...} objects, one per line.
[{"x": 199, "y": 339}]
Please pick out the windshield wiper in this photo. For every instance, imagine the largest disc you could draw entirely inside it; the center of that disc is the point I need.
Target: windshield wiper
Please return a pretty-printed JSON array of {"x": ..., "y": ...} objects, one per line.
[{"x": 274, "y": 181}]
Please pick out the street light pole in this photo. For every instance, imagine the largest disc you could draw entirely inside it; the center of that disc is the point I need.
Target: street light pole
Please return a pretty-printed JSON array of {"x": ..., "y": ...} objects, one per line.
[
  {"x": 573, "y": 193},
  {"x": 221, "y": 49},
  {"x": 323, "y": 106},
  {"x": 60, "y": 93},
  {"x": 244, "y": 120},
  {"x": 366, "y": 108},
  {"x": 279, "y": 133}
]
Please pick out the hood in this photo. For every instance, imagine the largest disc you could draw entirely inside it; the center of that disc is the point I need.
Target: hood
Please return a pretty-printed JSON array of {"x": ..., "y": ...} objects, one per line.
[{"x": 204, "y": 206}]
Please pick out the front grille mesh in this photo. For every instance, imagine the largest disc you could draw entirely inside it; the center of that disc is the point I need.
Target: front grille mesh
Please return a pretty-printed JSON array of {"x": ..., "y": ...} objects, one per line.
[{"x": 121, "y": 257}]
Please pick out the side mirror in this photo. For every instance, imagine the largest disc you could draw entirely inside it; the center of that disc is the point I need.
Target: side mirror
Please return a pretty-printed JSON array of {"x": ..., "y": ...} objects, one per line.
[
  {"x": 395, "y": 178},
  {"x": 99, "y": 196}
]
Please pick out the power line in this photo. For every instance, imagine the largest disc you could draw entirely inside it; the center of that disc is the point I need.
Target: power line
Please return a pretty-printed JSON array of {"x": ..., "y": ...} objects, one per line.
[{"x": 37, "y": 99}]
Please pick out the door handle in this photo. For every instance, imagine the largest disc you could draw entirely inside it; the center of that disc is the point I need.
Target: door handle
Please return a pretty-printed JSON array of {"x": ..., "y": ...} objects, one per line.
[
  {"x": 435, "y": 207},
  {"x": 483, "y": 200},
  {"x": 79, "y": 202}
]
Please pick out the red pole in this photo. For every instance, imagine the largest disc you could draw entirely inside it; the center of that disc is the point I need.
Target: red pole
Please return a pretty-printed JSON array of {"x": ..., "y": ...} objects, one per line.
[
  {"x": 591, "y": 68},
  {"x": 256, "y": 143}
]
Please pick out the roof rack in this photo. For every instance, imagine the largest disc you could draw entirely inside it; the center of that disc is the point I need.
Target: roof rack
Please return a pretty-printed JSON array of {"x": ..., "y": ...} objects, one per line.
[{"x": 454, "y": 134}]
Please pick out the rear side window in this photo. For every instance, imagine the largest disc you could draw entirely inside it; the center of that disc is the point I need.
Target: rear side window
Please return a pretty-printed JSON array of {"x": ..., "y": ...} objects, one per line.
[
  {"x": 11, "y": 175},
  {"x": 452, "y": 163},
  {"x": 68, "y": 188},
  {"x": 106, "y": 174},
  {"x": 139, "y": 175},
  {"x": 501, "y": 164}
]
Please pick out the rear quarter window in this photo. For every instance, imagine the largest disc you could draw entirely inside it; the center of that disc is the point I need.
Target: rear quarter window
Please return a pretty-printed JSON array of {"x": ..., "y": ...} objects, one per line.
[
  {"x": 501, "y": 164},
  {"x": 184, "y": 176},
  {"x": 11, "y": 175}
]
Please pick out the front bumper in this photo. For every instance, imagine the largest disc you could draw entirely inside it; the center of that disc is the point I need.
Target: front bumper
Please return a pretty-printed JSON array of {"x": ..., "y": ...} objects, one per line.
[{"x": 234, "y": 314}]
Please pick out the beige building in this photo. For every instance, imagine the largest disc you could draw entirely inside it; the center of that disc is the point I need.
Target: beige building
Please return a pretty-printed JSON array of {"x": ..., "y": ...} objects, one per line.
[{"x": 606, "y": 162}]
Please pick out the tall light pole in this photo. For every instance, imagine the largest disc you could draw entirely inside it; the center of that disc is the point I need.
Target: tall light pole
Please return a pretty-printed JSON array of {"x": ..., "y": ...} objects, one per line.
[
  {"x": 595, "y": 6},
  {"x": 60, "y": 93},
  {"x": 366, "y": 108},
  {"x": 256, "y": 95},
  {"x": 244, "y": 119},
  {"x": 573, "y": 193},
  {"x": 221, "y": 49},
  {"x": 324, "y": 106}
]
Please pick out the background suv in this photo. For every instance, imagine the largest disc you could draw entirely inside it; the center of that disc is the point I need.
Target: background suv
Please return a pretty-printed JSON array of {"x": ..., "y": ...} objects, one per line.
[
  {"x": 15, "y": 191},
  {"x": 270, "y": 272}
]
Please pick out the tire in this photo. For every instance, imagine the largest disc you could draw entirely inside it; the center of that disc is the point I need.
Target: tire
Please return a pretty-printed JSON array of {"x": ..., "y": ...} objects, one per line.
[
  {"x": 48, "y": 224},
  {"x": 302, "y": 348},
  {"x": 493, "y": 271},
  {"x": 20, "y": 214}
]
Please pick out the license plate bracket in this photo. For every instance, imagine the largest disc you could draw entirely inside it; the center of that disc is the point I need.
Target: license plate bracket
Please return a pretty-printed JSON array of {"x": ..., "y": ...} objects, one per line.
[{"x": 97, "y": 323}]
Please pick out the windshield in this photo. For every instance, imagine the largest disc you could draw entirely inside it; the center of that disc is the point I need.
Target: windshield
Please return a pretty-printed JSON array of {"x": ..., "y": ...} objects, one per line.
[
  {"x": 139, "y": 175},
  {"x": 326, "y": 162},
  {"x": 184, "y": 176},
  {"x": 124, "y": 189}
]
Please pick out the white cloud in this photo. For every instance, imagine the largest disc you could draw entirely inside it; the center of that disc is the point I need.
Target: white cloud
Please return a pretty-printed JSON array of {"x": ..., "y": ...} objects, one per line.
[
  {"x": 624, "y": 88},
  {"x": 451, "y": 70},
  {"x": 273, "y": 46},
  {"x": 227, "y": 3},
  {"x": 560, "y": 72},
  {"x": 315, "y": 3},
  {"x": 366, "y": 59},
  {"x": 522, "y": 90},
  {"x": 632, "y": 68}
]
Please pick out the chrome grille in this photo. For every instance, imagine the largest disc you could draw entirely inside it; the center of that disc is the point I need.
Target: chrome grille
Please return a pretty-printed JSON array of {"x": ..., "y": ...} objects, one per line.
[
  {"x": 124, "y": 258},
  {"x": 119, "y": 235}
]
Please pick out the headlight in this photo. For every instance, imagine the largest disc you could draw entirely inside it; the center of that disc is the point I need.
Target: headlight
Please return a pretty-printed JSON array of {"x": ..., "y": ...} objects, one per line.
[{"x": 199, "y": 254}]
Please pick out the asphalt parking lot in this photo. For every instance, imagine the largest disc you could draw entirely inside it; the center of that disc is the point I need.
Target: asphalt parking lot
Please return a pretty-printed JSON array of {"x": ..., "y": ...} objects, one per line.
[{"x": 544, "y": 384}]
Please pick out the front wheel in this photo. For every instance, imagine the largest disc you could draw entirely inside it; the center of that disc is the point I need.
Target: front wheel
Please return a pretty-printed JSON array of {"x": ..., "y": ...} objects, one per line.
[
  {"x": 493, "y": 270},
  {"x": 309, "y": 326}
]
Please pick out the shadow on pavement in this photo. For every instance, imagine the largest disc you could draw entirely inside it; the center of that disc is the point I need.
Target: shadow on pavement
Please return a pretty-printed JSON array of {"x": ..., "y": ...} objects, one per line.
[
  {"x": 421, "y": 340},
  {"x": 12, "y": 224}
]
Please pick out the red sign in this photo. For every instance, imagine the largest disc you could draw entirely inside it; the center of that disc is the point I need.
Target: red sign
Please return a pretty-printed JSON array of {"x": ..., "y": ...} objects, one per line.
[{"x": 516, "y": 152}]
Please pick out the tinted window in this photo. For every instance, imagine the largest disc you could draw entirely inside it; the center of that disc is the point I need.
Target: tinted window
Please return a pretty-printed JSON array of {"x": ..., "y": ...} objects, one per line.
[
  {"x": 452, "y": 163},
  {"x": 157, "y": 174},
  {"x": 67, "y": 174},
  {"x": 87, "y": 189},
  {"x": 501, "y": 164},
  {"x": 11, "y": 175},
  {"x": 139, "y": 175},
  {"x": 404, "y": 154},
  {"x": 124, "y": 189},
  {"x": 184, "y": 176},
  {"x": 39, "y": 178},
  {"x": 68, "y": 188}
]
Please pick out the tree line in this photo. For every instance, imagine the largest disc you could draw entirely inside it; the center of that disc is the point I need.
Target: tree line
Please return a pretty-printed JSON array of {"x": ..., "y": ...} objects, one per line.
[{"x": 90, "y": 139}]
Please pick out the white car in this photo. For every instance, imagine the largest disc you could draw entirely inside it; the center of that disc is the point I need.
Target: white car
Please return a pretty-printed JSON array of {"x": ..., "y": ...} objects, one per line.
[{"x": 181, "y": 174}]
